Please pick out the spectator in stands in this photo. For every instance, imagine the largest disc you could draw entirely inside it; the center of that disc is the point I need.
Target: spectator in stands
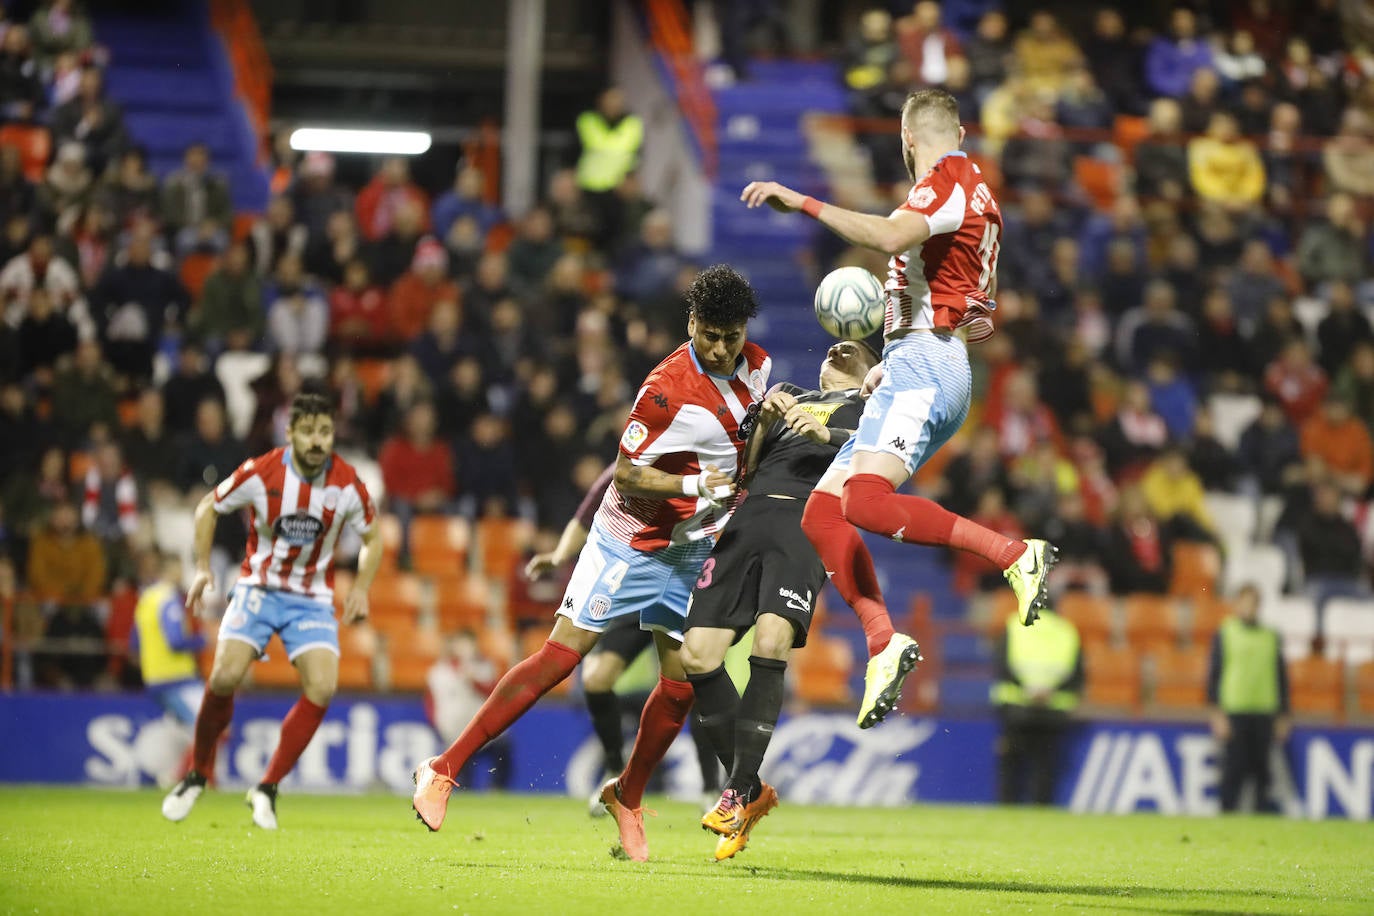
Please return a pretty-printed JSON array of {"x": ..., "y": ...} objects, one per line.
[
  {"x": 974, "y": 469},
  {"x": 463, "y": 395},
  {"x": 59, "y": 26},
  {"x": 1247, "y": 682},
  {"x": 442, "y": 344},
  {"x": 1045, "y": 53},
  {"x": 1123, "y": 279},
  {"x": 44, "y": 337},
  {"x": 329, "y": 253},
  {"x": 1039, "y": 477},
  {"x": 67, "y": 186},
  {"x": 456, "y": 686},
  {"x": 486, "y": 469},
  {"x": 136, "y": 301},
  {"x": 1172, "y": 394},
  {"x": 465, "y": 198},
  {"x": 574, "y": 218},
  {"x": 989, "y": 54},
  {"x": 194, "y": 194},
  {"x": 358, "y": 318},
  {"x": 1138, "y": 548},
  {"x": 130, "y": 190},
  {"x": 1116, "y": 62},
  {"x": 1236, "y": 60},
  {"x": 381, "y": 201},
  {"x": 21, "y": 85},
  {"x": 298, "y": 318},
  {"x": 277, "y": 235},
  {"x": 1022, "y": 419},
  {"x": 1271, "y": 335},
  {"x": 927, "y": 45},
  {"x": 32, "y": 490},
  {"x": 39, "y": 265},
  {"x": 17, "y": 194},
  {"x": 1037, "y": 154},
  {"x": 315, "y": 198},
  {"x": 192, "y": 381},
  {"x": 93, "y": 120},
  {"x": 1254, "y": 283},
  {"x": 417, "y": 469},
  {"x": 1330, "y": 549},
  {"x": 1334, "y": 249},
  {"x": 110, "y": 507},
  {"x": 1156, "y": 328},
  {"x": 1202, "y": 100},
  {"x": 66, "y": 570},
  {"x": 1355, "y": 383},
  {"x": 230, "y": 314},
  {"x": 1083, "y": 105},
  {"x": 1028, "y": 238},
  {"x": 149, "y": 446},
  {"x": 1135, "y": 434},
  {"x": 1348, "y": 157},
  {"x": 210, "y": 453},
  {"x": 1171, "y": 61},
  {"x": 1214, "y": 464},
  {"x": 414, "y": 295},
  {"x": 1285, "y": 166},
  {"x": 465, "y": 245},
  {"x": 512, "y": 341},
  {"x": 1297, "y": 381},
  {"x": 409, "y": 384},
  {"x": 84, "y": 393},
  {"x": 1339, "y": 438},
  {"x": 1305, "y": 84},
  {"x": 1161, "y": 164},
  {"x": 1342, "y": 329},
  {"x": 488, "y": 286},
  {"x": 1174, "y": 495},
  {"x": 1224, "y": 167},
  {"x": 394, "y": 252},
  {"x": 1269, "y": 447},
  {"x": 869, "y": 54},
  {"x": 533, "y": 253}
]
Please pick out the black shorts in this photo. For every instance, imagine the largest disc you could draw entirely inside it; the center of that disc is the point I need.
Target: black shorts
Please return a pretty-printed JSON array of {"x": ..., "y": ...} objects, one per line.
[
  {"x": 762, "y": 563},
  {"x": 624, "y": 637}
]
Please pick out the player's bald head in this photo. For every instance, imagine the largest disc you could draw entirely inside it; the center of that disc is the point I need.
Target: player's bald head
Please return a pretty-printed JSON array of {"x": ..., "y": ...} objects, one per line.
[{"x": 930, "y": 113}]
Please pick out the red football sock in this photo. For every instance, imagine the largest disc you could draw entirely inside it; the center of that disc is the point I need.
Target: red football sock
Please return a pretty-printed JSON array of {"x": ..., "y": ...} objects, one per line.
[
  {"x": 849, "y": 565},
  {"x": 296, "y": 731},
  {"x": 211, "y": 721},
  {"x": 659, "y": 724},
  {"x": 871, "y": 502},
  {"x": 512, "y": 696}
]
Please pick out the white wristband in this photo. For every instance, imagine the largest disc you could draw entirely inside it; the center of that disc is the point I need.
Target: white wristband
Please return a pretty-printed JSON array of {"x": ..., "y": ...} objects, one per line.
[{"x": 691, "y": 484}]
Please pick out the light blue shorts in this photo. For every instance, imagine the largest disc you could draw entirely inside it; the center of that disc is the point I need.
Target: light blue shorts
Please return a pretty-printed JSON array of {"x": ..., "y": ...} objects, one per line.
[
  {"x": 613, "y": 580},
  {"x": 179, "y": 699},
  {"x": 921, "y": 402},
  {"x": 254, "y": 614}
]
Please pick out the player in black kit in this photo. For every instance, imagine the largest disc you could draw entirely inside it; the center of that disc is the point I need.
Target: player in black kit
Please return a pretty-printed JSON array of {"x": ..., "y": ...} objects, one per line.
[{"x": 764, "y": 573}]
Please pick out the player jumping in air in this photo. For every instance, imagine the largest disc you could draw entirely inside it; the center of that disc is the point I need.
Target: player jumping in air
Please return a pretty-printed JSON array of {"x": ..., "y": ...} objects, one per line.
[
  {"x": 943, "y": 243},
  {"x": 763, "y": 573},
  {"x": 299, "y": 498},
  {"x": 673, "y": 490}
]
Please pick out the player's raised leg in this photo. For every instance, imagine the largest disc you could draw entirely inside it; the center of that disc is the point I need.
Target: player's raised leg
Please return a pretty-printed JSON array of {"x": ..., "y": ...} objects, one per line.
[
  {"x": 232, "y": 659},
  {"x": 510, "y": 699}
]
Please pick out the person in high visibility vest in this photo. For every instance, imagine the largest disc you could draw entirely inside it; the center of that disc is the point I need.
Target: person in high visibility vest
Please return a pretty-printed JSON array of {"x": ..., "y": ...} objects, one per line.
[
  {"x": 1247, "y": 683},
  {"x": 1039, "y": 680},
  {"x": 611, "y": 138}
]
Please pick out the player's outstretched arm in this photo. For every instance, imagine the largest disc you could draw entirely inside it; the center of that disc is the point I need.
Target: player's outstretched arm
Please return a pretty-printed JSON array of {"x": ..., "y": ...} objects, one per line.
[
  {"x": 894, "y": 234},
  {"x": 369, "y": 560},
  {"x": 649, "y": 482},
  {"x": 204, "y": 539}
]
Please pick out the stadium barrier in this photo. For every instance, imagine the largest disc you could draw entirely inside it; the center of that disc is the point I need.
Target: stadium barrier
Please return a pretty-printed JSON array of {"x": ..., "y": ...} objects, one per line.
[{"x": 370, "y": 743}]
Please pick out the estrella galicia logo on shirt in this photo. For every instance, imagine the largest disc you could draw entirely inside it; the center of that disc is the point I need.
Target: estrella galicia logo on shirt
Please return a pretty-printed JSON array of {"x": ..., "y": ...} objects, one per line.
[{"x": 299, "y": 530}]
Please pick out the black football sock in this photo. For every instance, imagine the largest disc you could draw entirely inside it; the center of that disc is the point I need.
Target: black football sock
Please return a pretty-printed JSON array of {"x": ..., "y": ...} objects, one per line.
[
  {"x": 605, "y": 710},
  {"x": 714, "y": 712},
  {"x": 759, "y": 709}
]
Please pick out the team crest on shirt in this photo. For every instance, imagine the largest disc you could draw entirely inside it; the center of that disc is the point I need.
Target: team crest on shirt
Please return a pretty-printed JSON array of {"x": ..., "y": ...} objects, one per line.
[
  {"x": 923, "y": 197},
  {"x": 298, "y": 530},
  {"x": 599, "y": 607},
  {"x": 756, "y": 384},
  {"x": 331, "y": 498},
  {"x": 634, "y": 437}
]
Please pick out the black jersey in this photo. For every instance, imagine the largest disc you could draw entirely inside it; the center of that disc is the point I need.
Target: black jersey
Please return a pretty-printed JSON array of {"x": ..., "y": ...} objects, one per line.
[{"x": 789, "y": 464}]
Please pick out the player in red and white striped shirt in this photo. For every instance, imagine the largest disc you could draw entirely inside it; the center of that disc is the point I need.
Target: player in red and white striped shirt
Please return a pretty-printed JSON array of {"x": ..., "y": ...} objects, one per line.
[{"x": 299, "y": 498}]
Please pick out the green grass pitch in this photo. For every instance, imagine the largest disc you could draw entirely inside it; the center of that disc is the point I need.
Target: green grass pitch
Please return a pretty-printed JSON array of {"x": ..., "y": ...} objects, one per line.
[{"x": 92, "y": 851}]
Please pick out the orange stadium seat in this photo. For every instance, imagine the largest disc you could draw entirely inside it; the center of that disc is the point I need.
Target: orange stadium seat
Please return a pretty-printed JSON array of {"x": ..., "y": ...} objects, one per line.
[
  {"x": 195, "y": 268},
  {"x": 394, "y": 593},
  {"x": 1364, "y": 689},
  {"x": 1113, "y": 677},
  {"x": 1092, "y": 614},
  {"x": 357, "y": 646},
  {"x": 1209, "y": 612},
  {"x": 1151, "y": 622},
  {"x": 439, "y": 544},
  {"x": 823, "y": 668},
  {"x": 35, "y": 147},
  {"x": 1180, "y": 680},
  {"x": 410, "y": 656},
  {"x": 1316, "y": 687},
  {"x": 373, "y": 375},
  {"x": 1197, "y": 569},
  {"x": 1128, "y": 131},
  {"x": 460, "y": 601},
  {"x": 1100, "y": 179},
  {"x": 502, "y": 544}
]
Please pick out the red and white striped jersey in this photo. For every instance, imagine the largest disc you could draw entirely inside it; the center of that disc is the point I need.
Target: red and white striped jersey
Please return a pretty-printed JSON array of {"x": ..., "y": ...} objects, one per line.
[
  {"x": 294, "y": 522},
  {"x": 684, "y": 418},
  {"x": 944, "y": 283}
]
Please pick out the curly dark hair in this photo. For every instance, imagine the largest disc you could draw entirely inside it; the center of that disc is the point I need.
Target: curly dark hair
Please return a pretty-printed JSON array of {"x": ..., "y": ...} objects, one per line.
[
  {"x": 310, "y": 403},
  {"x": 721, "y": 298}
]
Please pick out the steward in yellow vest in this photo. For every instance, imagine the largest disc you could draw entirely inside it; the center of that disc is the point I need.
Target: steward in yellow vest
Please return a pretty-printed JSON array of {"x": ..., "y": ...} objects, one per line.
[
  {"x": 167, "y": 644},
  {"x": 1247, "y": 682},
  {"x": 1040, "y": 677}
]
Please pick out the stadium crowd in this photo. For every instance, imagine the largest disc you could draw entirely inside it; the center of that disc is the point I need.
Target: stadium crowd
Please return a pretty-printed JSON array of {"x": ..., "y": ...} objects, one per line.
[{"x": 487, "y": 364}]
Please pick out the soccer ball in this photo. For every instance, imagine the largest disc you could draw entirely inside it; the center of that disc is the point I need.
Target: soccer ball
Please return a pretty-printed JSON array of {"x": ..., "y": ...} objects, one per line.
[{"x": 850, "y": 303}]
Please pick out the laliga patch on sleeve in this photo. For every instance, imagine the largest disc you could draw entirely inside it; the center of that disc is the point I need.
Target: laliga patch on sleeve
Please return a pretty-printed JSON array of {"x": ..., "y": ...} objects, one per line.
[
  {"x": 922, "y": 197},
  {"x": 634, "y": 437}
]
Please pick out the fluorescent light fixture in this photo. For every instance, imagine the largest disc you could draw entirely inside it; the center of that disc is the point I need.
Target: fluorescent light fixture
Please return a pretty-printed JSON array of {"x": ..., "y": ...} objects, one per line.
[{"x": 386, "y": 142}]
